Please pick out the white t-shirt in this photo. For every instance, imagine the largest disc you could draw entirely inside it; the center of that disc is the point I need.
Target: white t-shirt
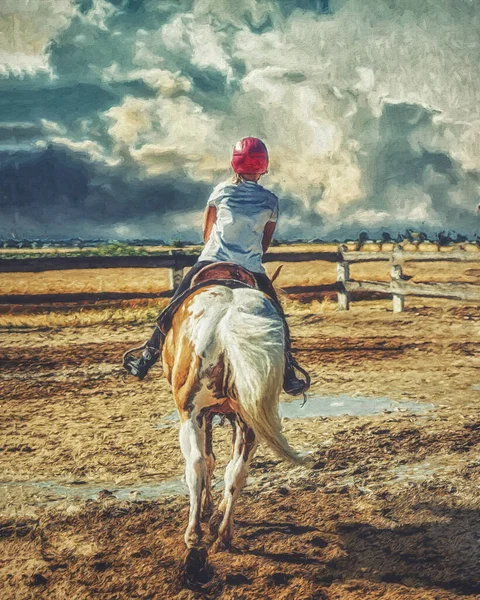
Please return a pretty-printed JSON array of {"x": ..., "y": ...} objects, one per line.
[{"x": 243, "y": 210}]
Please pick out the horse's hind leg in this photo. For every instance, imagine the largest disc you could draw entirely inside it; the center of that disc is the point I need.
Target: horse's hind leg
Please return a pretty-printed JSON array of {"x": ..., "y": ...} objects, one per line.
[
  {"x": 207, "y": 498},
  {"x": 235, "y": 478},
  {"x": 192, "y": 443}
]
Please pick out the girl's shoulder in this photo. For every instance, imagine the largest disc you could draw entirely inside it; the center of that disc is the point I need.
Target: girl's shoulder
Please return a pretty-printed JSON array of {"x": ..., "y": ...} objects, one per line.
[
  {"x": 217, "y": 193},
  {"x": 221, "y": 186},
  {"x": 267, "y": 192},
  {"x": 267, "y": 197}
]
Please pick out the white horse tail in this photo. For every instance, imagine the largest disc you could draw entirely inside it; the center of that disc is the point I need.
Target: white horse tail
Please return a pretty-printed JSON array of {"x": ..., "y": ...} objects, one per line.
[{"x": 251, "y": 335}]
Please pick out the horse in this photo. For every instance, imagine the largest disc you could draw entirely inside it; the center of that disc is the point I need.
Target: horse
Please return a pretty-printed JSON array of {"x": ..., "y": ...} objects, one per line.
[{"x": 224, "y": 354}]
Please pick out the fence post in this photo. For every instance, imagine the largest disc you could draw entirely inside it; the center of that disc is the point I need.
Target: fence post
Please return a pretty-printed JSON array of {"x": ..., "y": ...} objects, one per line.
[
  {"x": 396, "y": 274},
  {"x": 343, "y": 275},
  {"x": 175, "y": 272}
]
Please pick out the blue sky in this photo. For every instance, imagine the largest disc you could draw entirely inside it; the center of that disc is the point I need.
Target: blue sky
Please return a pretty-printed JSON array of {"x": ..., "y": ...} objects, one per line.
[{"x": 118, "y": 116}]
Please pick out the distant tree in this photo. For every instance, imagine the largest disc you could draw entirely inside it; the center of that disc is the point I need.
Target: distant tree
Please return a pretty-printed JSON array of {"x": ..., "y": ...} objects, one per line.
[
  {"x": 408, "y": 235},
  {"x": 177, "y": 244},
  {"x": 386, "y": 237},
  {"x": 362, "y": 238},
  {"x": 444, "y": 238},
  {"x": 415, "y": 237},
  {"x": 460, "y": 239}
]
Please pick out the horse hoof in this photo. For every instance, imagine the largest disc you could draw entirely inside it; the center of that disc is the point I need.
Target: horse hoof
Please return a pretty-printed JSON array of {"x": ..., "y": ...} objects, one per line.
[
  {"x": 193, "y": 537},
  {"x": 221, "y": 545},
  {"x": 215, "y": 522},
  {"x": 195, "y": 568}
]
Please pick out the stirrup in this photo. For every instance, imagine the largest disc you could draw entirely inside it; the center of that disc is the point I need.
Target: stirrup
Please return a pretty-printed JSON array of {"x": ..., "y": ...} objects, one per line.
[
  {"x": 131, "y": 351},
  {"x": 303, "y": 372},
  {"x": 302, "y": 385}
]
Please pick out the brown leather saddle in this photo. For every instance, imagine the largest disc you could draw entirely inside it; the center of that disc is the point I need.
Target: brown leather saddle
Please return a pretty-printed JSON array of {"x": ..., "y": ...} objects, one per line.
[
  {"x": 224, "y": 271},
  {"x": 220, "y": 273}
]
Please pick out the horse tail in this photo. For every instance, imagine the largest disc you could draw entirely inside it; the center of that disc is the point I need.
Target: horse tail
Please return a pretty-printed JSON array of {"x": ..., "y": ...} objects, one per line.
[{"x": 252, "y": 338}]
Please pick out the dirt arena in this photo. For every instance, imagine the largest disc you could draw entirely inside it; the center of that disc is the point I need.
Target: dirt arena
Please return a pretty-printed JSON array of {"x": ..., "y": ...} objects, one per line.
[{"x": 91, "y": 496}]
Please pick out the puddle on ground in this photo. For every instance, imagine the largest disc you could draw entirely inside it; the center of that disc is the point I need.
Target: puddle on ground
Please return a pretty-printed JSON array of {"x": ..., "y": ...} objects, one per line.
[
  {"x": 421, "y": 471},
  {"x": 52, "y": 490},
  {"x": 336, "y": 406},
  {"x": 45, "y": 492},
  {"x": 172, "y": 419},
  {"x": 330, "y": 406},
  {"x": 167, "y": 421}
]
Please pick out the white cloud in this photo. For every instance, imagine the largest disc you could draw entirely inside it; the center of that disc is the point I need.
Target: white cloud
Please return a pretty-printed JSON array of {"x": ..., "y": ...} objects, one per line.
[
  {"x": 165, "y": 82},
  {"x": 89, "y": 148},
  {"x": 129, "y": 121},
  {"x": 51, "y": 127},
  {"x": 198, "y": 40},
  {"x": 100, "y": 13},
  {"x": 26, "y": 26},
  {"x": 21, "y": 65},
  {"x": 165, "y": 135},
  {"x": 411, "y": 205}
]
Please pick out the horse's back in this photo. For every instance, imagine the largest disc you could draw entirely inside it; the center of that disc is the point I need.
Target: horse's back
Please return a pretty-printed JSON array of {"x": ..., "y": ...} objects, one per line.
[{"x": 209, "y": 311}]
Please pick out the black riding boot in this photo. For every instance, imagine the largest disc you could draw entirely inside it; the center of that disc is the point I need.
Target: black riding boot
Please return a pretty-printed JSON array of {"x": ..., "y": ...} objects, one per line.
[{"x": 138, "y": 367}]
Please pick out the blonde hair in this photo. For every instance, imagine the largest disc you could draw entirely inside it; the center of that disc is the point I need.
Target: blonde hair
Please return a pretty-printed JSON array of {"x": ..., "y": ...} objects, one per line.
[{"x": 238, "y": 178}]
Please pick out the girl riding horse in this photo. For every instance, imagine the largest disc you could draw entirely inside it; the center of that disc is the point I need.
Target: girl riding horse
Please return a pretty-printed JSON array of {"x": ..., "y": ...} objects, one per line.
[{"x": 239, "y": 223}]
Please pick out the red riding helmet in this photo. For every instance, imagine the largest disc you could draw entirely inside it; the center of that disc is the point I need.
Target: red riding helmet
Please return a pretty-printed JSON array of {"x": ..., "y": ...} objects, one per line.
[{"x": 250, "y": 155}]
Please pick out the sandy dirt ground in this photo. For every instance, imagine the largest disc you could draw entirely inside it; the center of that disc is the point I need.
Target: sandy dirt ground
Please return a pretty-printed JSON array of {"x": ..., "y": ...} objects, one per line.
[{"x": 390, "y": 507}]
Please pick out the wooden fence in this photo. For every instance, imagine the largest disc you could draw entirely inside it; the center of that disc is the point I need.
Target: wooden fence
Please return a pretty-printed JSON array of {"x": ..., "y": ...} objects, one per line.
[
  {"x": 176, "y": 261},
  {"x": 399, "y": 285}
]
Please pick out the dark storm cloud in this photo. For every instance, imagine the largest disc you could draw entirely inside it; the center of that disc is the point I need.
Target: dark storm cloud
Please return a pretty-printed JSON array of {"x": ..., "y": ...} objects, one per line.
[
  {"x": 127, "y": 116},
  {"x": 60, "y": 193},
  {"x": 418, "y": 180}
]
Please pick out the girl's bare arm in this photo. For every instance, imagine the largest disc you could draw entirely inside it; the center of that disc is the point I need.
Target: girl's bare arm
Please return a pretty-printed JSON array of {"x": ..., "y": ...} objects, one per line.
[
  {"x": 209, "y": 219},
  {"x": 267, "y": 235}
]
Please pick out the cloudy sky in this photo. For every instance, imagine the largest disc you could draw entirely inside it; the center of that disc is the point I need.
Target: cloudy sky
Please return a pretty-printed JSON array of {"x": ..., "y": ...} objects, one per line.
[{"x": 118, "y": 116}]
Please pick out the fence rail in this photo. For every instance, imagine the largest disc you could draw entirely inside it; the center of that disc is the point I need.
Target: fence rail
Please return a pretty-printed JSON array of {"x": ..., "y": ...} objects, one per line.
[
  {"x": 172, "y": 260},
  {"x": 176, "y": 261}
]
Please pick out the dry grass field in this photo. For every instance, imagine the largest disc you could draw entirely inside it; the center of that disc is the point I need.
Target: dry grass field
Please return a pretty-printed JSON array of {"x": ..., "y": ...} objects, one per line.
[{"x": 92, "y": 503}]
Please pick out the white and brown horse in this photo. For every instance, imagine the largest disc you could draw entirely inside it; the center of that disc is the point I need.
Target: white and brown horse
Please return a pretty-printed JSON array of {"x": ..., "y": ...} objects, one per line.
[{"x": 224, "y": 354}]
